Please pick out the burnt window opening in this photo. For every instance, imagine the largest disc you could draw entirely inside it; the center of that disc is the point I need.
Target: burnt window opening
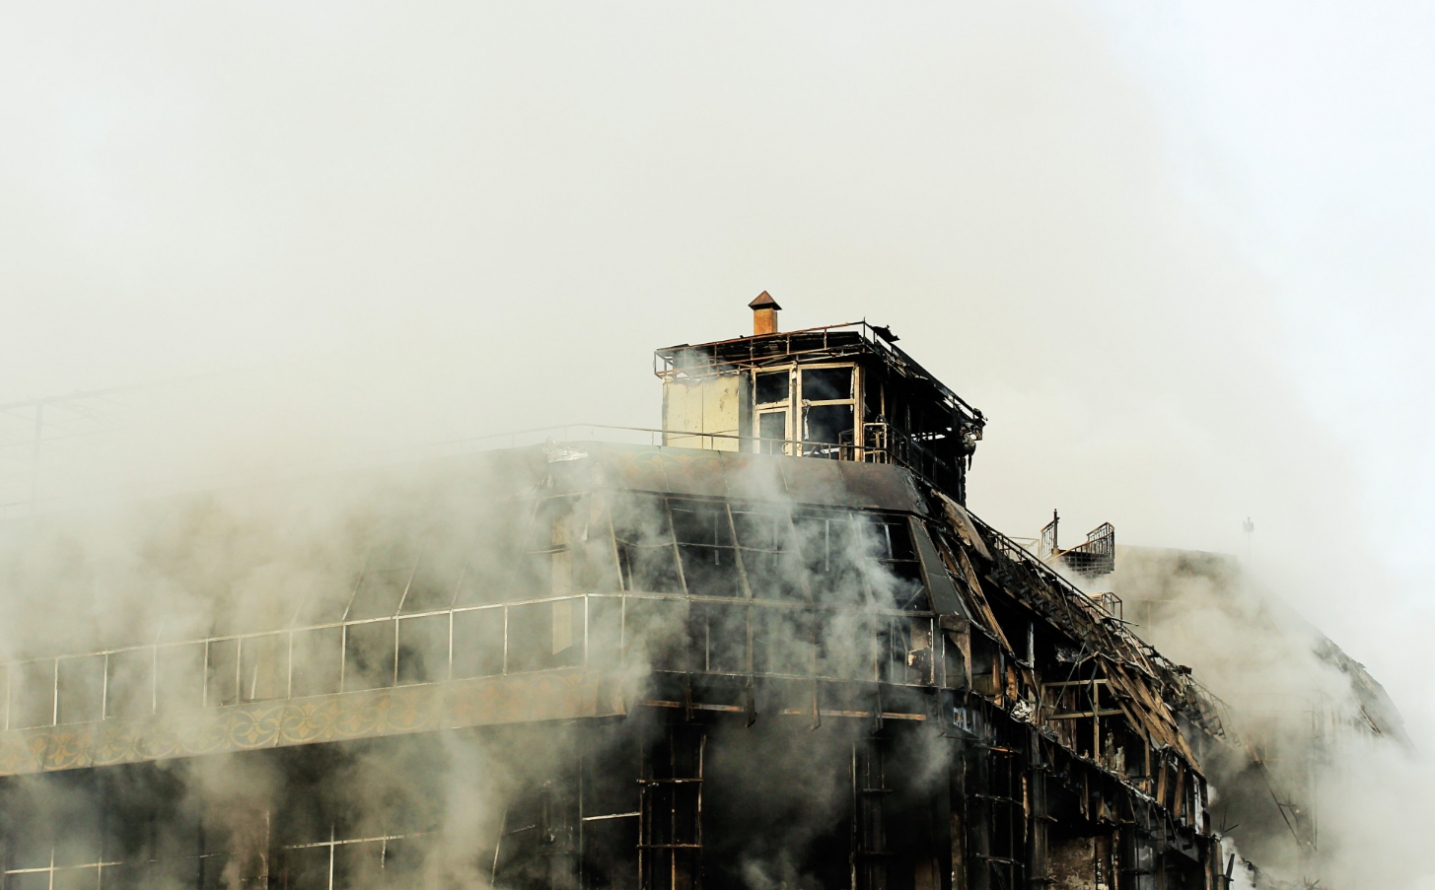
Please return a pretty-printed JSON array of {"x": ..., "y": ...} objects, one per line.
[
  {"x": 179, "y": 680},
  {"x": 706, "y": 547},
  {"x": 566, "y": 551},
  {"x": 32, "y": 694},
  {"x": 647, "y": 558},
  {"x": 834, "y": 549},
  {"x": 130, "y": 827},
  {"x": 656, "y": 633},
  {"x": 986, "y": 665},
  {"x": 719, "y": 637},
  {"x": 317, "y": 661},
  {"x": 844, "y": 644},
  {"x": 129, "y": 690},
  {"x": 610, "y": 805},
  {"x": 826, "y": 384},
  {"x": 772, "y": 387},
  {"x": 890, "y": 542},
  {"x": 423, "y": 649},
  {"x": 222, "y": 673},
  {"x": 489, "y": 573},
  {"x": 434, "y": 582},
  {"x": 545, "y": 635},
  {"x": 907, "y": 652},
  {"x": 80, "y": 689},
  {"x": 342, "y": 863},
  {"x": 369, "y": 655},
  {"x": 828, "y": 426},
  {"x": 538, "y": 846},
  {"x": 388, "y": 568},
  {"x": 605, "y": 631},
  {"x": 478, "y": 643},
  {"x": 769, "y": 557},
  {"x": 784, "y": 641},
  {"x": 264, "y": 667},
  {"x": 670, "y": 821}
]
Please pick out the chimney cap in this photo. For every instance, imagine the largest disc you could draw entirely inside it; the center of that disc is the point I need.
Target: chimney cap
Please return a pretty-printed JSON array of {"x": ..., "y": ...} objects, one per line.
[{"x": 764, "y": 301}]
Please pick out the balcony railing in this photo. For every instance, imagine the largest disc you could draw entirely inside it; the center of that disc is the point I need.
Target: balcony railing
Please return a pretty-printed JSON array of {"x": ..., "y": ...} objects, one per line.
[{"x": 608, "y": 631}]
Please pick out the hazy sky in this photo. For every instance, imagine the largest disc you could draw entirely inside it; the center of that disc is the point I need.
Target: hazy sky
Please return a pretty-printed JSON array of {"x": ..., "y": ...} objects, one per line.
[{"x": 1181, "y": 258}]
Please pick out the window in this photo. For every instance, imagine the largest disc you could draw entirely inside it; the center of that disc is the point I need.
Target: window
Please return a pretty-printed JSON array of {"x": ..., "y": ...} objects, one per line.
[
  {"x": 264, "y": 667},
  {"x": 829, "y": 426},
  {"x": 423, "y": 649},
  {"x": 771, "y": 561},
  {"x": 477, "y": 643},
  {"x": 826, "y": 384},
  {"x": 318, "y": 655},
  {"x": 382, "y": 586},
  {"x": 128, "y": 691},
  {"x": 772, "y": 391},
  {"x": 705, "y": 545},
  {"x": 81, "y": 689},
  {"x": 772, "y": 432},
  {"x": 369, "y": 655},
  {"x": 772, "y": 387},
  {"x": 646, "y": 555}
]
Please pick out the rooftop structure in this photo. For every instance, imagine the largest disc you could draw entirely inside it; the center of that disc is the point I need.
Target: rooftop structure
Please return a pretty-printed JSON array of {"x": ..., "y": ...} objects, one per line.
[{"x": 843, "y": 392}]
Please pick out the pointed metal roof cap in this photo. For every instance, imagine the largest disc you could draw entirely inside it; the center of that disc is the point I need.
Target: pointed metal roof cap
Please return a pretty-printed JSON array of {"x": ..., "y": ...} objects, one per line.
[{"x": 764, "y": 300}]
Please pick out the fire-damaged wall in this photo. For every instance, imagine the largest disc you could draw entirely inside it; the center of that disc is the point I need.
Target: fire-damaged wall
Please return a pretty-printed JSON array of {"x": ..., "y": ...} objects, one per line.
[{"x": 595, "y": 666}]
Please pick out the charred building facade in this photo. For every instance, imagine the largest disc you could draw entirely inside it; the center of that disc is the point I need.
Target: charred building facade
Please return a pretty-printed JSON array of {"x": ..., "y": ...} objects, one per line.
[{"x": 774, "y": 651}]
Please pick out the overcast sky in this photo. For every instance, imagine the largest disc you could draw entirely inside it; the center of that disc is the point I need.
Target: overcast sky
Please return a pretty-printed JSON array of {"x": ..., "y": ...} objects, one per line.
[{"x": 1180, "y": 257}]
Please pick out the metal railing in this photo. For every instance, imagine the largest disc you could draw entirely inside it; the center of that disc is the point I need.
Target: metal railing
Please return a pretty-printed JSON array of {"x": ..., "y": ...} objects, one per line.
[{"x": 608, "y": 631}]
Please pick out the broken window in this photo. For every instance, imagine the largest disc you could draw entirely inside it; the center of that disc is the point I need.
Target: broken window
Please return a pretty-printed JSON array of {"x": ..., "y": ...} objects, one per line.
[
  {"x": 833, "y": 549},
  {"x": 769, "y": 557},
  {"x": 318, "y": 656},
  {"x": 369, "y": 655},
  {"x": 906, "y": 651},
  {"x": 381, "y": 588},
  {"x": 655, "y": 633},
  {"x": 719, "y": 634},
  {"x": 843, "y": 644},
  {"x": 32, "y": 694},
  {"x": 889, "y": 541},
  {"x": 81, "y": 689},
  {"x": 423, "y": 649},
  {"x": 545, "y": 635},
  {"x": 605, "y": 631},
  {"x": 705, "y": 544},
  {"x": 128, "y": 688},
  {"x": 180, "y": 677},
  {"x": 646, "y": 552},
  {"x": 772, "y": 387},
  {"x": 264, "y": 667},
  {"x": 477, "y": 643},
  {"x": 670, "y": 823},
  {"x": 826, "y": 384},
  {"x": 829, "y": 413},
  {"x": 433, "y": 583},
  {"x": 222, "y": 673},
  {"x": 782, "y": 641},
  {"x": 826, "y": 426},
  {"x": 610, "y": 809}
]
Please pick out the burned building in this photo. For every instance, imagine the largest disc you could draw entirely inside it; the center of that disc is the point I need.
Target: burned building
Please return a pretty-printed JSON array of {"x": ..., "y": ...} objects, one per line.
[{"x": 774, "y": 650}]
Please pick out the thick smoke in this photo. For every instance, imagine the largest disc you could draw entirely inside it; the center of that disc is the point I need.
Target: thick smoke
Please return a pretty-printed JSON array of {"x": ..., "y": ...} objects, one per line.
[
  {"x": 1321, "y": 782},
  {"x": 495, "y": 528}
]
